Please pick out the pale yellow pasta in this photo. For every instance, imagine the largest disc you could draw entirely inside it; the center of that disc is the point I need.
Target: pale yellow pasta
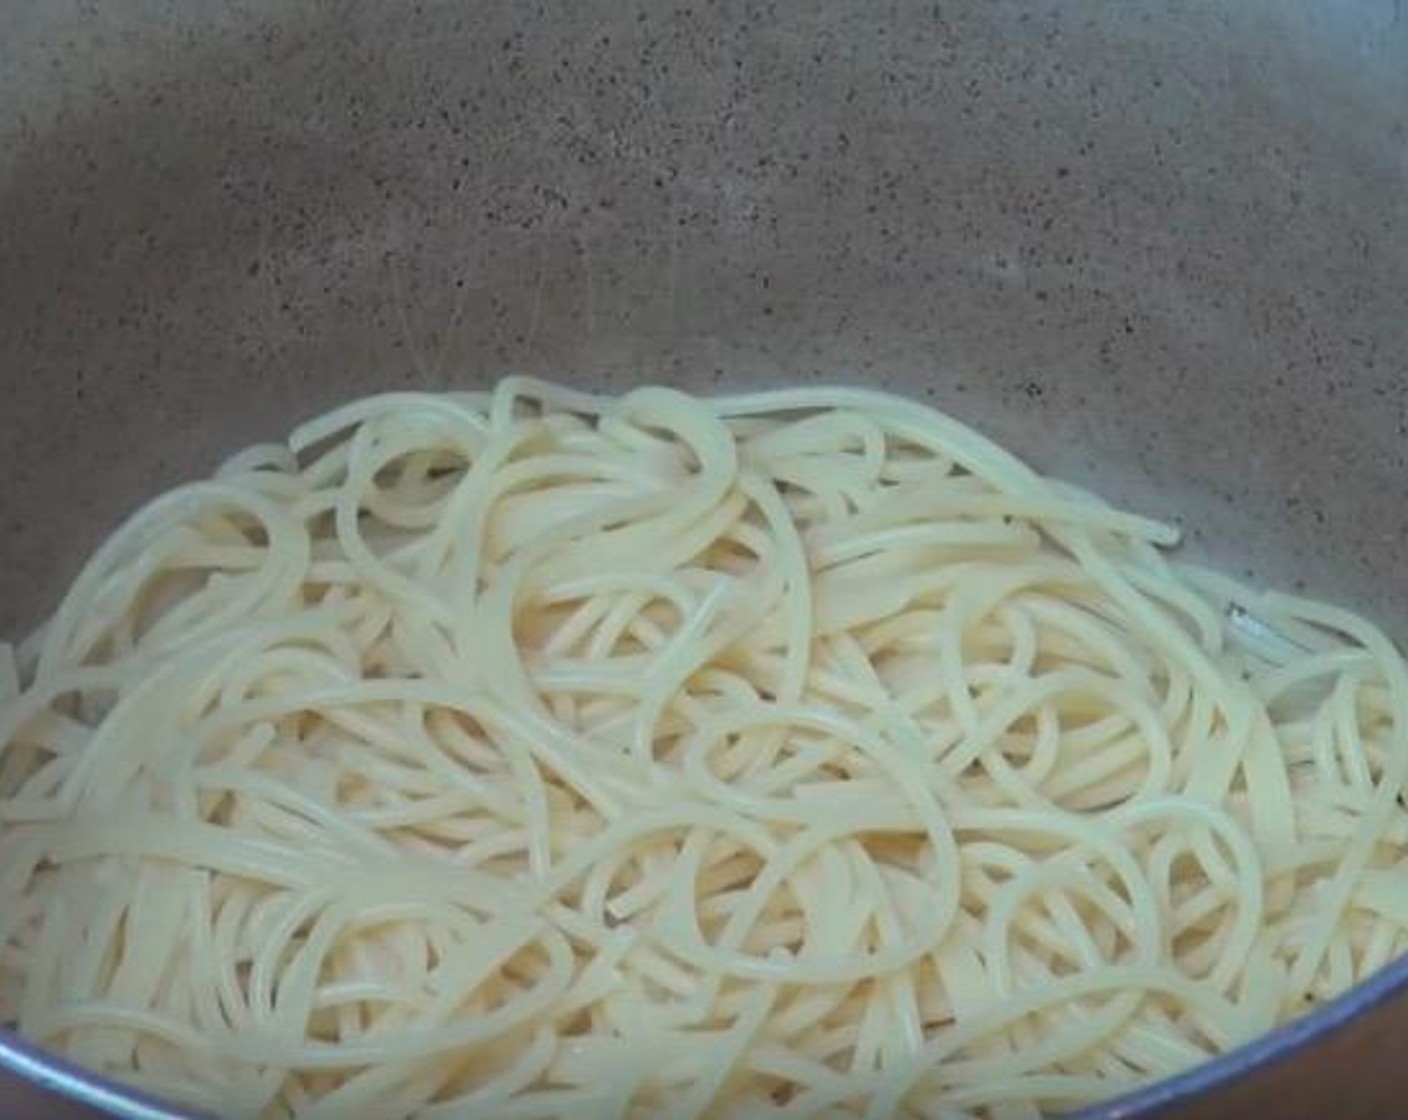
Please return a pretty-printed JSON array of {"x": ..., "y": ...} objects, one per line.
[{"x": 531, "y": 753}]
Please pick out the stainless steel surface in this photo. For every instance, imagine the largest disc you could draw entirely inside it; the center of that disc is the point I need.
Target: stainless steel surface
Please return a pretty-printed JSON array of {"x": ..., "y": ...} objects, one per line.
[{"x": 1161, "y": 248}]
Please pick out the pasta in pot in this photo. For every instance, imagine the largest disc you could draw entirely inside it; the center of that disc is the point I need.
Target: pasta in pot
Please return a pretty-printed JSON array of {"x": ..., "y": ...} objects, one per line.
[{"x": 532, "y": 753}]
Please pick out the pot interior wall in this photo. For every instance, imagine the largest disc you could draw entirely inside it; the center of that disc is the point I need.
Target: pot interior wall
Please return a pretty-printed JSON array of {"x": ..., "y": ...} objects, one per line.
[{"x": 1161, "y": 250}]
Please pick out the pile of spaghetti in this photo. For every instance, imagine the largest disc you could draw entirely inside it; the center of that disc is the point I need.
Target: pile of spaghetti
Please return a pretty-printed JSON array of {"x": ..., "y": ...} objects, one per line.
[{"x": 535, "y": 754}]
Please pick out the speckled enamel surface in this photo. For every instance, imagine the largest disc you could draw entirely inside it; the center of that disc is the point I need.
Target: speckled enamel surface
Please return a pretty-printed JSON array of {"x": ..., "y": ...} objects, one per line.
[{"x": 1161, "y": 249}]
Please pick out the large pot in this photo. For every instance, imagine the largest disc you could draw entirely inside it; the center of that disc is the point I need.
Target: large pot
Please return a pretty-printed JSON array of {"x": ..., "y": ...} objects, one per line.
[{"x": 1162, "y": 249}]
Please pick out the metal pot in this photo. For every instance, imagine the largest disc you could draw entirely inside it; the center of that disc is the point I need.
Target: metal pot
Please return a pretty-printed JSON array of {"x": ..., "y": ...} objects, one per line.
[{"x": 1160, "y": 248}]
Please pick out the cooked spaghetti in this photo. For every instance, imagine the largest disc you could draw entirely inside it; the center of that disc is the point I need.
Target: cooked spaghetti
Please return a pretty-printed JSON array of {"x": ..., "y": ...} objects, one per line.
[{"x": 536, "y": 754}]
